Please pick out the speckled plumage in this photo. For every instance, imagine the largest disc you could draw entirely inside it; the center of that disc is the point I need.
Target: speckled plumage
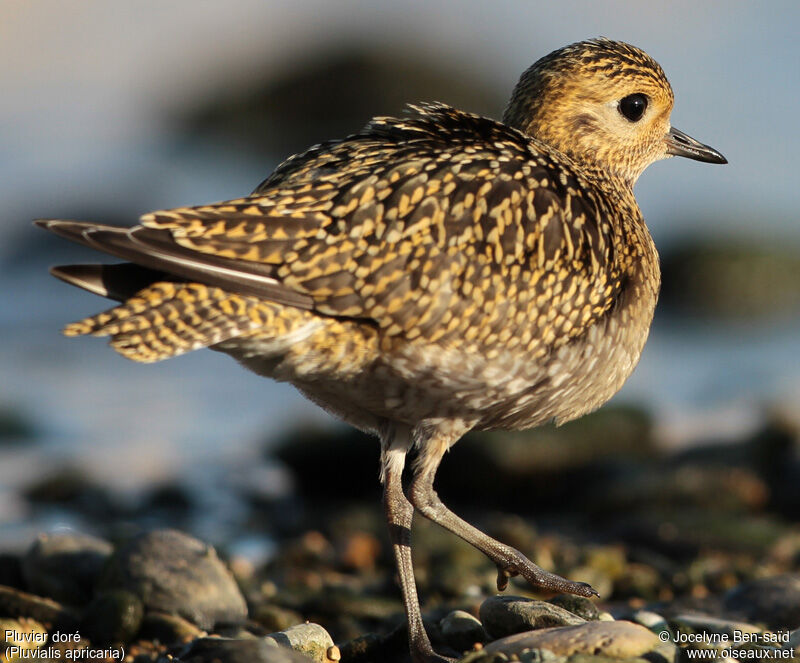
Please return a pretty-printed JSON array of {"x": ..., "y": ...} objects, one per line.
[{"x": 429, "y": 275}]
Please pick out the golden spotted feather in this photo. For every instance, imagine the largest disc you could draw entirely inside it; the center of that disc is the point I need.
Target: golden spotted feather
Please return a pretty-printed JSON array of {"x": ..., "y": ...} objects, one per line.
[{"x": 440, "y": 225}]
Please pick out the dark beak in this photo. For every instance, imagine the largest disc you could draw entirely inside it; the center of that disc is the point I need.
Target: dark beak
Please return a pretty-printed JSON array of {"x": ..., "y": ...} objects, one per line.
[{"x": 681, "y": 145}]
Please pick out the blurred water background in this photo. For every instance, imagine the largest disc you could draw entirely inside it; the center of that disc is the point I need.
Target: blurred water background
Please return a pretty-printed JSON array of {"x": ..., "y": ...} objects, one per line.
[{"x": 112, "y": 109}]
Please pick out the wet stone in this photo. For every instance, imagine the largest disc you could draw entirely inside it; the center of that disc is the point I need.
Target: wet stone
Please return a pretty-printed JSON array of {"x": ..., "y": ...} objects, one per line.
[
  {"x": 276, "y": 618},
  {"x": 774, "y": 601},
  {"x": 364, "y": 648},
  {"x": 504, "y": 615},
  {"x": 169, "y": 629},
  {"x": 650, "y": 620},
  {"x": 174, "y": 573},
  {"x": 461, "y": 630},
  {"x": 577, "y": 605},
  {"x": 113, "y": 617},
  {"x": 696, "y": 623},
  {"x": 618, "y": 640},
  {"x": 65, "y": 567},
  {"x": 15, "y": 603}
]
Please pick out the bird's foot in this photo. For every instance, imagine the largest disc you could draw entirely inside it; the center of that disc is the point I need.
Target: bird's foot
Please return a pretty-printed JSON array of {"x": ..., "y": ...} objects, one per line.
[{"x": 516, "y": 564}]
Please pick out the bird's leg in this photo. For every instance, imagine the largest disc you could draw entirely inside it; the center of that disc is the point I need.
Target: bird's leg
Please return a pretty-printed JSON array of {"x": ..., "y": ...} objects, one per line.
[
  {"x": 399, "y": 513},
  {"x": 510, "y": 562}
]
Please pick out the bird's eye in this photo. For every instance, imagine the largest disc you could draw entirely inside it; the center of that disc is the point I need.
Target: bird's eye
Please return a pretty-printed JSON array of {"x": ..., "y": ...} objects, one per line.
[{"x": 633, "y": 106}]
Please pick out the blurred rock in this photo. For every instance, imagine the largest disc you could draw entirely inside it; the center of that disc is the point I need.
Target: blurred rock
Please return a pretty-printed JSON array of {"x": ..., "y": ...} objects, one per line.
[
  {"x": 231, "y": 650},
  {"x": 16, "y": 604},
  {"x": 556, "y": 468},
  {"x": 698, "y": 623},
  {"x": 177, "y": 574},
  {"x": 462, "y": 630},
  {"x": 309, "y": 639},
  {"x": 71, "y": 487},
  {"x": 276, "y": 618},
  {"x": 331, "y": 96},
  {"x": 169, "y": 629},
  {"x": 15, "y": 427},
  {"x": 113, "y": 617},
  {"x": 749, "y": 281},
  {"x": 621, "y": 640},
  {"x": 504, "y": 615},
  {"x": 773, "y": 601},
  {"x": 65, "y": 567},
  {"x": 577, "y": 605},
  {"x": 652, "y": 621},
  {"x": 336, "y": 465}
]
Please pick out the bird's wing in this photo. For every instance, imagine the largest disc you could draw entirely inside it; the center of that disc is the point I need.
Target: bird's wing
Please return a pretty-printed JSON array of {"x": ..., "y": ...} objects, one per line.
[{"x": 421, "y": 225}]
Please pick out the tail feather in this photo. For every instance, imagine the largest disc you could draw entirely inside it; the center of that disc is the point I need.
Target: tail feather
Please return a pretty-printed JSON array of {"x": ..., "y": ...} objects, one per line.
[
  {"x": 168, "y": 319},
  {"x": 113, "y": 281},
  {"x": 156, "y": 250}
]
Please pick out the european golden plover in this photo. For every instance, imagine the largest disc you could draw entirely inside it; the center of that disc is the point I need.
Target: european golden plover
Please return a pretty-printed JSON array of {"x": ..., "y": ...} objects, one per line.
[{"x": 432, "y": 274}]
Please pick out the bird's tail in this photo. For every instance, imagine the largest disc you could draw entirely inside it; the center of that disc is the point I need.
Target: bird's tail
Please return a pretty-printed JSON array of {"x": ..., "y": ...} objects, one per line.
[{"x": 167, "y": 319}]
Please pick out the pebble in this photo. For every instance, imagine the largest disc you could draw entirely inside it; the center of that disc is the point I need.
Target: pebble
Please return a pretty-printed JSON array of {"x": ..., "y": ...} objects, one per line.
[
  {"x": 650, "y": 620},
  {"x": 169, "y": 629},
  {"x": 113, "y": 617},
  {"x": 175, "y": 573},
  {"x": 65, "y": 567},
  {"x": 462, "y": 630},
  {"x": 504, "y": 615},
  {"x": 275, "y": 618},
  {"x": 696, "y": 623},
  {"x": 18, "y": 604},
  {"x": 775, "y": 601},
  {"x": 577, "y": 605},
  {"x": 619, "y": 639},
  {"x": 309, "y": 639}
]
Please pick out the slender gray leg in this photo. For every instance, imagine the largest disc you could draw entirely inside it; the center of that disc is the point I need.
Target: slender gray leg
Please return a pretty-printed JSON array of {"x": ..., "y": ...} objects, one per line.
[
  {"x": 399, "y": 513},
  {"x": 510, "y": 562}
]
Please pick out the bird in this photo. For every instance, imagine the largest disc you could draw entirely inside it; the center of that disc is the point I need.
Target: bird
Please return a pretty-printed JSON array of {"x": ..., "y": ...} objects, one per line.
[{"x": 435, "y": 273}]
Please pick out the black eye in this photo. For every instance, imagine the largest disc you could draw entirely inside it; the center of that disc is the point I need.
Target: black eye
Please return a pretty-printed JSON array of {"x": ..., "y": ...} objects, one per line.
[{"x": 633, "y": 106}]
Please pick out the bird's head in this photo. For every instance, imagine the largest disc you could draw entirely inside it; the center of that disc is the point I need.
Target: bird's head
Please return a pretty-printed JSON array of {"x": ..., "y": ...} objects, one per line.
[{"x": 605, "y": 104}]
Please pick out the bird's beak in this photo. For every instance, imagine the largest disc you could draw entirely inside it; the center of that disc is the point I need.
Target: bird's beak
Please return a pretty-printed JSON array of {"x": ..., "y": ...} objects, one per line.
[{"x": 681, "y": 145}]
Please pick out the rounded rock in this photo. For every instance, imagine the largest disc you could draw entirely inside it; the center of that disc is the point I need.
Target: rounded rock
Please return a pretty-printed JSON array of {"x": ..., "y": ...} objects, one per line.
[
  {"x": 698, "y": 623},
  {"x": 651, "y": 621},
  {"x": 774, "y": 601},
  {"x": 175, "y": 573},
  {"x": 461, "y": 630},
  {"x": 169, "y": 629},
  {"x": 309, "y": 639},
  {"x": 620, "y": 639},
  {"x": 113, "y": 617},
  {"x": 577, "y": 605},
  {"x": 505, "y": 615},
  {"x": 275, "y": 617},
  {"x": 65, "y": 567}
]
